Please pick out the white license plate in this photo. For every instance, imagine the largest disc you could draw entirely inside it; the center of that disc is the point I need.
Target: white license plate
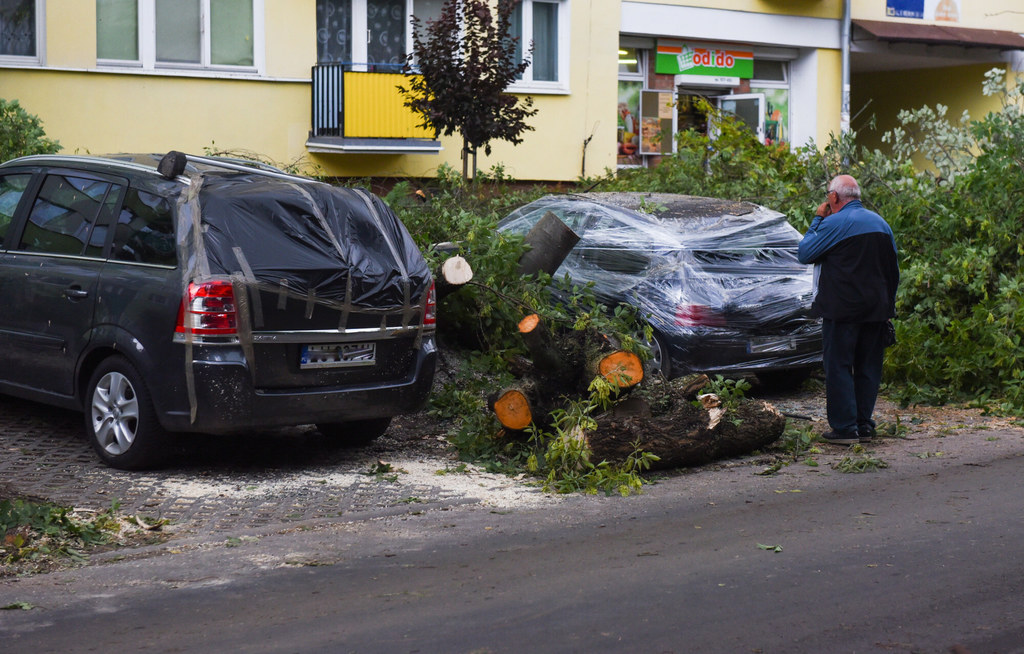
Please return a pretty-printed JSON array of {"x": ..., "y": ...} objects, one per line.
[
  {"x": 338, "y": 355},
  {"x": 767, "y": 344}
]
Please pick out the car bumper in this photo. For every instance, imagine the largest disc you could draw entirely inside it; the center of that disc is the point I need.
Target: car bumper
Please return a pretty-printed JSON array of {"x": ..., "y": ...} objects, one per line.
[
  {"x": 720, "y": 352},
  {"x": 226, "y": 400}
]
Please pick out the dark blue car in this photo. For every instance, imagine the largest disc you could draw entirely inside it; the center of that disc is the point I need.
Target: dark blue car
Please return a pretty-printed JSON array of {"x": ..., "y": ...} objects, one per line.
[
  {"x": 718, "y": 280},
  {"x": 190, "y": 294}
]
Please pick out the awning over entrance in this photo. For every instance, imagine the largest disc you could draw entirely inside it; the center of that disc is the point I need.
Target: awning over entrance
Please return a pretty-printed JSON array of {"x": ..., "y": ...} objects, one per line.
[{"x": 941, "y": 35}]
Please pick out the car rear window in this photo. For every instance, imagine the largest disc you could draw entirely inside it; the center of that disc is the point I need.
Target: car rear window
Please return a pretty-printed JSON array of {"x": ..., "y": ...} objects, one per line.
[{"x": 144, "y": 231}]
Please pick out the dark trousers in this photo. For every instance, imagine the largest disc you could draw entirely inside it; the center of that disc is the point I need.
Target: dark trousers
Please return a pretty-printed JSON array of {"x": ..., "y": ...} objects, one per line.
[{"x": 852, "y": 358}]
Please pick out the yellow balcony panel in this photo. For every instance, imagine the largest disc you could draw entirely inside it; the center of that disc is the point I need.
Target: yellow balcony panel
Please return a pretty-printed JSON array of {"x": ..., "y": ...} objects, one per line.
[{"x": 374, "y": 108}]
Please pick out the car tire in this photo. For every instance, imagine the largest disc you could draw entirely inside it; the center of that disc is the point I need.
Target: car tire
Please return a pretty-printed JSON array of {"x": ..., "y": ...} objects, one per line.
[
  {"x": 659, "y": 361},
  {"x": 354, "y": 432},
  {"x": 120, "y": 419},
  {"x": 783, "y": 380}
]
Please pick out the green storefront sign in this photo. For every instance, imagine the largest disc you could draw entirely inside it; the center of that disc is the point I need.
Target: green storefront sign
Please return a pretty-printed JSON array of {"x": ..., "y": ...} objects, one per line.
[{"x": 679, "y": 58}]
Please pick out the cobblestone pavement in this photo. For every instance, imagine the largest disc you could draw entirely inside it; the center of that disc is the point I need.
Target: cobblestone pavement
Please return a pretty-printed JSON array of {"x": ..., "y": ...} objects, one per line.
[
  {"x": 224, "y": 484},
  {"x": 220, "y": 486}
]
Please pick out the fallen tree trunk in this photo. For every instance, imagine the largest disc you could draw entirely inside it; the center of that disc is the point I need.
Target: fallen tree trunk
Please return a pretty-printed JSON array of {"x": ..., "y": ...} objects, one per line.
[
  {"x": 687, "y": 435},
  {"x": 550, "y": 242}
]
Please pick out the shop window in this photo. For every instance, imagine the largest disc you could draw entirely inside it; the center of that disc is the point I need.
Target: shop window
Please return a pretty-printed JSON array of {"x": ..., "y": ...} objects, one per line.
[
  {"x": 18, "y": 28},
  {"x": 629, "y": 123},
  {"x": 178, "y": 33},
  {"x": 769, "y": 70},
  {"x": 629, "y": 62},
  {"x": 776, "y": 114},
  {"x": 631, "y": 83},
  {"x": 771, "y": 81}
]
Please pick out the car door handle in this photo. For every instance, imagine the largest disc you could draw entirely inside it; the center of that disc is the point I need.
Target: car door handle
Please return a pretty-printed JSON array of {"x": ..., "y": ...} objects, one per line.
[{"x": 75, "y": 293}]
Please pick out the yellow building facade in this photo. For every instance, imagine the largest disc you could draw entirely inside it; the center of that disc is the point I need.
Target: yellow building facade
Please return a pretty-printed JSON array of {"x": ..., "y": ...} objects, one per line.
[{"x": 612, "y": 80}]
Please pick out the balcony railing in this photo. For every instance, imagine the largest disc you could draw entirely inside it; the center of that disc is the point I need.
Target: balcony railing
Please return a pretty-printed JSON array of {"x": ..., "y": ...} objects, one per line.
[{"x": 361, "y": 105}]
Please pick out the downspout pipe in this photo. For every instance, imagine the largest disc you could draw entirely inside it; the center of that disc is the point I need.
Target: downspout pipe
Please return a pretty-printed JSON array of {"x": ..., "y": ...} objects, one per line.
[{"x": 844, "y": 112}]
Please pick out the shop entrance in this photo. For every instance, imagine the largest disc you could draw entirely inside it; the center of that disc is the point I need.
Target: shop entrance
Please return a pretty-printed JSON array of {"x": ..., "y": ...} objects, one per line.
[{"x": 748, "y": 107}]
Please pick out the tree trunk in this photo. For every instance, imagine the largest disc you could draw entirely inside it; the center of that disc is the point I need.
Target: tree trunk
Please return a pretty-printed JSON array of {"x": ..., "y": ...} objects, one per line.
[
  {"x": 687, "y": 435},
  {"x": 537, "y": 338},
  {"x": 550, "y": 242}
]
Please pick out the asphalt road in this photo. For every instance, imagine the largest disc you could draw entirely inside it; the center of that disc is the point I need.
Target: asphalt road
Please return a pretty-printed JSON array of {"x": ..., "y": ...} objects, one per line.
[{"x": 924, "y": 556}]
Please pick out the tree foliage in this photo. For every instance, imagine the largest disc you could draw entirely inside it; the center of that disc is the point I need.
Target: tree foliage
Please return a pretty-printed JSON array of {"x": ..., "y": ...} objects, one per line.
[
  {"x": 957, "y": 222},
  {"x": 21, "y": 133},
  {"x": 459, "y": 68}
]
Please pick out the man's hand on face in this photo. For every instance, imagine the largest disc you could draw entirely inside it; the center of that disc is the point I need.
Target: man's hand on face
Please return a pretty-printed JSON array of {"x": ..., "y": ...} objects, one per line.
[{"x": 823, "y": 210}]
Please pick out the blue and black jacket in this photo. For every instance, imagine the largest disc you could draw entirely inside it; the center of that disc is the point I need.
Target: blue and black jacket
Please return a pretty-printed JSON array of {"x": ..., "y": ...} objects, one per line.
[{"x": 859, "y": 267}]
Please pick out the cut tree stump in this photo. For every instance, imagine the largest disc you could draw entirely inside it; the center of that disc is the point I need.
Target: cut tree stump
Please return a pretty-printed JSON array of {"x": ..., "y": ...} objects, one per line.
[
  {"x": 512, "y": 408},
  {"x": 454, "y": 274},
  {"x": 621, "y": 368}
]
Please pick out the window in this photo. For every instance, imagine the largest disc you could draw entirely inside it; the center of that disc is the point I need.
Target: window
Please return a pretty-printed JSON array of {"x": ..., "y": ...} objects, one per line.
[
  {"x": 18, "y": 28},
  {"x": 64, "y": 215},
  {"x": 178, "y": 33},
  {"x": 545, "y": 24},
  {"x": 145, "y": 230},
  {"x": 383, "y": 21},
  {"x": 771, "y": 79},
  {"x": 387, "y": 26},
  {"x": 631, "y": 83},
  {"x": 12, "y": 187},
  {"x": 117, "y": 29}
]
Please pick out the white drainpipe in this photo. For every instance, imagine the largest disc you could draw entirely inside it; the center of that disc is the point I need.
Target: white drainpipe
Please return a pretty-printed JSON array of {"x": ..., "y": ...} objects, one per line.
[{"x": 844, "y": 114}]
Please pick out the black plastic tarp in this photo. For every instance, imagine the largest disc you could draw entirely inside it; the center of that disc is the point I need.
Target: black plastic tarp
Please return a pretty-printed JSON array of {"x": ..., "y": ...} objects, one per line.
[{"x": 337, "y": 245}]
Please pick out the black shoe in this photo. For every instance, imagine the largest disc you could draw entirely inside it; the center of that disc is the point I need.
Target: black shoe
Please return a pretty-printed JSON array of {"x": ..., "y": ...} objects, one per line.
[
  {"x": 867, "y": 434},
  {"x": 835, "y": 438}
]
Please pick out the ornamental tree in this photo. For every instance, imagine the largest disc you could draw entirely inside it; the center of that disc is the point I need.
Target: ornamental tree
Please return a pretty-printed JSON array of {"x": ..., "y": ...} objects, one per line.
[{"x": 459, "y": 68}]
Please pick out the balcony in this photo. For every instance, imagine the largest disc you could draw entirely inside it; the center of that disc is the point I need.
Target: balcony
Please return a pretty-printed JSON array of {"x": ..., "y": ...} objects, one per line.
[{"x": 363, "y": 112}]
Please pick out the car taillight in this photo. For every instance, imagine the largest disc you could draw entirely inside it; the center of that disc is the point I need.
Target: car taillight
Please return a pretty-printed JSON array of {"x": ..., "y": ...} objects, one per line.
[
  {"x": 698, "y": 315},
  {"x": 430, "y": 310},
  {"x": 208, "y": 309}
]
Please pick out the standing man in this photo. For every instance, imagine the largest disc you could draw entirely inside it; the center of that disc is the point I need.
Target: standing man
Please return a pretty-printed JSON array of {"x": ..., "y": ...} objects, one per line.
[{"x": 856, "y": 298}]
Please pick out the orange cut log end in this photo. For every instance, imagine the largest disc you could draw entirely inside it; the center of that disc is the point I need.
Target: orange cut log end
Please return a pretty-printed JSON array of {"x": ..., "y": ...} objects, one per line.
[
  {"x": 529, "y": 323},
  {"x": 624, "y": 369},
  {"x": 513, "y": 410}
]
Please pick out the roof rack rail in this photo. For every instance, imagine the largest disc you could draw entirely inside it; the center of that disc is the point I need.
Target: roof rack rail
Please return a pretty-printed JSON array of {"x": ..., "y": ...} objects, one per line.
[{"x": 173, "y": 164}]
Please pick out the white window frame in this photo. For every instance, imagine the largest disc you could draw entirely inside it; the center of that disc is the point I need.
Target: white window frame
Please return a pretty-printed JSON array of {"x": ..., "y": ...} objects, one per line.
[
  {"x": 147, "y": 43},
  {"x": 527, "y": 84},
  {"x": 360, "y": 51},
  {"x": 524, "y": 85},
  {"x": 40, "y": 57}
]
